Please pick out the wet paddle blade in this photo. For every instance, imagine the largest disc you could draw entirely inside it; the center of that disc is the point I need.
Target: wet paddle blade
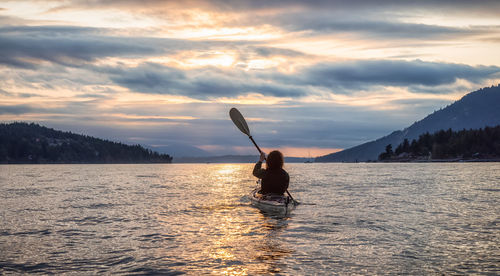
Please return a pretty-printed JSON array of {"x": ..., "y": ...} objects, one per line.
[{"x": 239, "y": 121}]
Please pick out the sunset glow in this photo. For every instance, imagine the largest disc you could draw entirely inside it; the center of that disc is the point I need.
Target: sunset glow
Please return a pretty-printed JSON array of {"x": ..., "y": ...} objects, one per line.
[{"x": 313, "y": 77}]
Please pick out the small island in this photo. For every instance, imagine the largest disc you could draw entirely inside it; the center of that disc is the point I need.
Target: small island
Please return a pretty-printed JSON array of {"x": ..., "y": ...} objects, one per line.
[
  {"x": 447, "y": 146},
  {"x": 23, "y": 143}
]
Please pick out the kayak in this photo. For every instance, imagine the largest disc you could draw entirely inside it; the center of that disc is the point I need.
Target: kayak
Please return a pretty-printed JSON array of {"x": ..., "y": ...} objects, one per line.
[{"x": 272, "y": 202}]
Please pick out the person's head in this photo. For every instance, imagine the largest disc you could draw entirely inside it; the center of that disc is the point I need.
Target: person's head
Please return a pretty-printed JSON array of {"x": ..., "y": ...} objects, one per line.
[{"x": 274, "y": 160}]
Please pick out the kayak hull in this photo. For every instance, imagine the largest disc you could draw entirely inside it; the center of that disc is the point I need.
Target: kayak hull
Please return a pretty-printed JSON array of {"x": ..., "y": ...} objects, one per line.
[{"x": 271, "y": 203}]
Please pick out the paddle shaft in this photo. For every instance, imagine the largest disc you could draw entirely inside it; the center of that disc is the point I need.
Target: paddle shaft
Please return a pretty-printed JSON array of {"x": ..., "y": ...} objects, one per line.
[{"x": 255, "y": 144}]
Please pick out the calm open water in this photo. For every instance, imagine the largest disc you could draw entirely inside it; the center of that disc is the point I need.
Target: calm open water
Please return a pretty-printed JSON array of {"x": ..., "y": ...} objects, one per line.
[{"x": 197, "y": 219}]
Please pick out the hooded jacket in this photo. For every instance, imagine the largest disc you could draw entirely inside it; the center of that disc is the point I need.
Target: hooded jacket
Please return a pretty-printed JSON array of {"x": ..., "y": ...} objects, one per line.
[{"x": 274, "y": 181}]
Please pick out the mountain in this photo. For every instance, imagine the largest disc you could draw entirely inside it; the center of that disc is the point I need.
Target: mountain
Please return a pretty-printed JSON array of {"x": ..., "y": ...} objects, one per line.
[
  {"x": 233, "y": 159},
  {"x": 32, "y": 143},
  {"x": 475, "y": 110},
  {"x": 178, "y": 150},
  {"x": 218, "y": 159}
]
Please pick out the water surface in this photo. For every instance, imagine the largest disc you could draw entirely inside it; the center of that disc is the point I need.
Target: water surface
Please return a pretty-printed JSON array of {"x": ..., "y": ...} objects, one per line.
[{"x": 197, "y": 219}]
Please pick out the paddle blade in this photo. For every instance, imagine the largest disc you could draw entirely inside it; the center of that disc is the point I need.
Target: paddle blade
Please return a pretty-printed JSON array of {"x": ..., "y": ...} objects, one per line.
[{"x": 239, "y": 121}]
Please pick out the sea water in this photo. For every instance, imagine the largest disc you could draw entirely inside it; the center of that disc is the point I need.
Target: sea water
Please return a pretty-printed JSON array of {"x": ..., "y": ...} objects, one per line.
[{"x": 197, "y": 219}]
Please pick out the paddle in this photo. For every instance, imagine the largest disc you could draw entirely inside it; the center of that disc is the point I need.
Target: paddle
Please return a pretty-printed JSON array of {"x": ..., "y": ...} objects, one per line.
[{"x": 241, "y": 124}]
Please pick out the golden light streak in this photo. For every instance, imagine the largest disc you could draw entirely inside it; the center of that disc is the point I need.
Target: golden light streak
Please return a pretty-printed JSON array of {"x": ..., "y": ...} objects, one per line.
[
  {"x": 262, "y": 63},
  {"x": 227, "y": 33},
  {"x": 457, "y": 21},
  {"x": 305, "y": 152},
  {"x": 131, "y": 97},
  {"x": 217, "y": 59},
  {"x": 257, "y": 119},
  {"x": 329, "y": 47},
  {"x": 253, "y": 99},
  {"x": 127, "y": 62},
  {"x": 149, "y": 117},
  {"x": 211, "y": 148}
]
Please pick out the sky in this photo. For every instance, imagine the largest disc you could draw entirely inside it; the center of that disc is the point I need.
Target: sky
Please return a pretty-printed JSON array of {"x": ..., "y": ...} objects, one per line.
[{"x": 311, "y": 77}]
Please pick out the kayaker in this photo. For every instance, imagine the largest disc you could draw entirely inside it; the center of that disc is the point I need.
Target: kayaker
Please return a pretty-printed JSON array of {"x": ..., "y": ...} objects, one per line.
[{"x": 275, "y": 179}]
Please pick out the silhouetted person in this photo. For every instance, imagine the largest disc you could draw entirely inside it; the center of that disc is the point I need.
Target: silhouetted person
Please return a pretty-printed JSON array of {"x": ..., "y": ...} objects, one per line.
[{"x": 275, "y": 179}]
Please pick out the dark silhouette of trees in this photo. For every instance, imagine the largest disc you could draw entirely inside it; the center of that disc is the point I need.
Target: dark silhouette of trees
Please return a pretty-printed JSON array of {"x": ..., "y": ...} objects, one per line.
[
  {"x": 32, "y": 143},
  {"x": 403, "y": 147},
  {"x": 387, "y": 154},
  {"x": 448, "y": 144}
]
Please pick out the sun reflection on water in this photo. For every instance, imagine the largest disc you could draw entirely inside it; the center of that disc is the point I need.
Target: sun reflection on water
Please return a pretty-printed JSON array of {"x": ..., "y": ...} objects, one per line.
[
  {"x": 233, "y": 237},
  {"x": 217, "y": 231},
  {"x": 243, "y": 248},
  {"x": 227, "y": 170}
]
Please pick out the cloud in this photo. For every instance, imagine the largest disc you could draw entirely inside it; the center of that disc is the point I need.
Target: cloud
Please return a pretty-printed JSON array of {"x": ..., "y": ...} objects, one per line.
[
  {"x": 204, "y": 83},
  {"x": 17, "y": 109},
  {"x": 345, "y": 77},
  {"x": 17, "y": 95},
  {"x": 362, "y": 74},
  {"x": 340, "y": 4},
  {"x": 387, "y": 18},
  {"x": 63, "y": 45},
  {"x": 384, "y": 18},
  {"x": 24, "y": 46},
  {"x": 245, "y": 5},
  {"x": 321, "y": 125},
  {"x": 12, "y": 20},
  {"x": 324, "y": 23},
  {"x": 273, "y": 51}
]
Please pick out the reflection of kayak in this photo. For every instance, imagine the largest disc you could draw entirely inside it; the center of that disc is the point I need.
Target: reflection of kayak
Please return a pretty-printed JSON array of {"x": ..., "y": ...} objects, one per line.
[{"x": 272, "y": 202}]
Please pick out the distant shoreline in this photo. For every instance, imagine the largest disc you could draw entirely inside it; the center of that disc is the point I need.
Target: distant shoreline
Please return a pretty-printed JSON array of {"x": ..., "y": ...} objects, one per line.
[
  {"x": 458, "y": 160},
  {"x": 84, "y": 163},
  {"x": 372, "y": 162}
]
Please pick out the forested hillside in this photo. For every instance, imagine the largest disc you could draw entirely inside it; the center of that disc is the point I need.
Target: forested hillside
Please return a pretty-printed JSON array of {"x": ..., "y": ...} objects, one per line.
[
  {"x": 448, "y": 144},
  {"x": 475, "y": 110},
  {"x": 32, "y": 143}
]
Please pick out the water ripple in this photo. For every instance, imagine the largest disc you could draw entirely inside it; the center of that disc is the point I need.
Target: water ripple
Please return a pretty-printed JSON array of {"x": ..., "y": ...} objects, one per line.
[{"x": 356, "y": 219}]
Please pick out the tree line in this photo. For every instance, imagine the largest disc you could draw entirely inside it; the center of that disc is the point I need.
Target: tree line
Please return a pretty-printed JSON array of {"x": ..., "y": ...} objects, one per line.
[
  {"x": 32, "y": 143},
  {"x": 448, "y": 144}
]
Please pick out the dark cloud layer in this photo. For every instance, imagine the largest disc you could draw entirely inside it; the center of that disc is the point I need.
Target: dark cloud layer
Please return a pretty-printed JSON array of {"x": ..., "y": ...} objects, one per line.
[
  {"x": 17, "y": 109},
  {"x": 63, "y": 45},
  {"x": 380, "y": 28},
  {"x": 67, "y": 45},
  {"x": 364, "y": 73},
  {"x": 204, "y": 83},
  {"x": 340, "y": 77}
]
